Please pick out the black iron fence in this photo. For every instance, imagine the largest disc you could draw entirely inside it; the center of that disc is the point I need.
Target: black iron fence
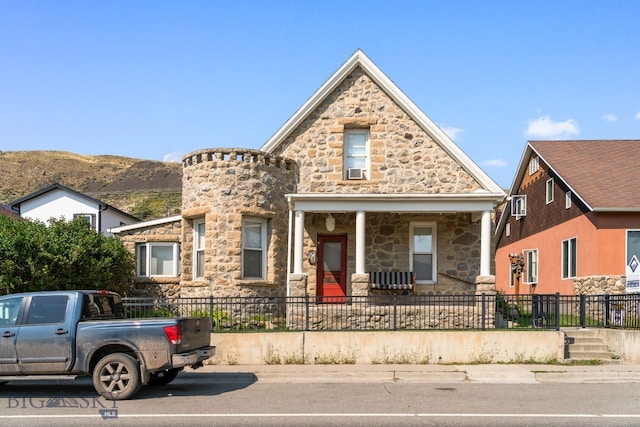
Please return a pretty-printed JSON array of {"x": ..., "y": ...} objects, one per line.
[{"x": 398, "y": 312}]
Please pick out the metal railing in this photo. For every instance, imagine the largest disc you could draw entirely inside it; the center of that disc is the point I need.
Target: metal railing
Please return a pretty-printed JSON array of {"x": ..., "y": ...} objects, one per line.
[{"x": 398, "y": 312}]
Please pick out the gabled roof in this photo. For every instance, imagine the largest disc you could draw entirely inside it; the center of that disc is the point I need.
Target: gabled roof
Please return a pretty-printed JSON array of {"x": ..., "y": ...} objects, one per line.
[
  {"x": 603, "y": 173},
  {"x": 359, "y": 59},
  {"x": 55, "y": 186}
]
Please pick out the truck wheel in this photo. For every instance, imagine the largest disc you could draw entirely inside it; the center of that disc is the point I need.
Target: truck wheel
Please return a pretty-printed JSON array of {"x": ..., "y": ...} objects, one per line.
[
  {"x": 117, "y": 376},
  {"x": 163, "y": 377}
]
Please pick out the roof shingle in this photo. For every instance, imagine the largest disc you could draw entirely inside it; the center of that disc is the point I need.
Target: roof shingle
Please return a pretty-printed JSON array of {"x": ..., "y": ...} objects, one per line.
[{"x": 604, "y": 173}]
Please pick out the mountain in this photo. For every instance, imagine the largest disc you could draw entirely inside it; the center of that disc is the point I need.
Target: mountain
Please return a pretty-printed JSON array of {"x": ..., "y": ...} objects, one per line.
[{"x": 143, "y": 188}]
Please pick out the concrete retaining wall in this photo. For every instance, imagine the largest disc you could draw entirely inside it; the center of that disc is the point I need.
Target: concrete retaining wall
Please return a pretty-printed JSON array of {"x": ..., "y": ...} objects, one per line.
[
  {"x": 399, "y": 347},
  {"x": 624, "y": 344}
]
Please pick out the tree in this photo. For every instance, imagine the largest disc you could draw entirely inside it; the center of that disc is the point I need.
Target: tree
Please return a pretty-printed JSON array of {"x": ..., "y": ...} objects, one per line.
[{"x": 61, "y": 255}]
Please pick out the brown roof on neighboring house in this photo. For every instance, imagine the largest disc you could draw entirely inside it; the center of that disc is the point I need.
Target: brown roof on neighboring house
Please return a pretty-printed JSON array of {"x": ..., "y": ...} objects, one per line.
[{"x": 603, "y": 173}]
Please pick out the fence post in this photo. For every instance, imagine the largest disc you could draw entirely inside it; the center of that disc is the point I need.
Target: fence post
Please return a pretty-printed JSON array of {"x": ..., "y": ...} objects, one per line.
[
  {"x": 607, "y": 304},
  {"x": 395, "y": 312},
  {"x": 557, "y": 313},
  {"x": 484, "y": 311},
  {"x": 306, "y": 314},
  {"x": 583, "y": 311},
  {"x": 211, "y": 311}
]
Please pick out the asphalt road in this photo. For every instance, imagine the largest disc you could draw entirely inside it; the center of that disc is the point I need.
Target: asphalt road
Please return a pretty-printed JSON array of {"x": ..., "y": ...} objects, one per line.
[{"x": 242, "y": 400}]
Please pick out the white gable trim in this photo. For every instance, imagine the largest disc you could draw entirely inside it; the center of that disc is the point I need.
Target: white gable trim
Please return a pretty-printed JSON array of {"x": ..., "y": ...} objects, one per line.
[
  {"x": 360, "y": 59},
  {"x": 145, "y": 224}
]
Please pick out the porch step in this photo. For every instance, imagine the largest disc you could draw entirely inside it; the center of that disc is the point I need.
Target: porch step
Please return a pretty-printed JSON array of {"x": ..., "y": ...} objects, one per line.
[{"x": 584, "y": 344}]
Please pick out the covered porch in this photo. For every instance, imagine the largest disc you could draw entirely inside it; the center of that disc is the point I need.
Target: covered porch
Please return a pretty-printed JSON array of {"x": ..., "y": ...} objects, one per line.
[{"x": 369, "y": 222}]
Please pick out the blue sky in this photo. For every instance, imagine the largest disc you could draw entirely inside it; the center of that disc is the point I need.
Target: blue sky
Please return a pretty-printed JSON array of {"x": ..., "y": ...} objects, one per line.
[{"x": 158, "y": 79}]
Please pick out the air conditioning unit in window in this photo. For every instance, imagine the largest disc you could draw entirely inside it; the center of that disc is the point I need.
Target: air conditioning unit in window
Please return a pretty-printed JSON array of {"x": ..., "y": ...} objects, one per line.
[{"x": 355, "y": 173}]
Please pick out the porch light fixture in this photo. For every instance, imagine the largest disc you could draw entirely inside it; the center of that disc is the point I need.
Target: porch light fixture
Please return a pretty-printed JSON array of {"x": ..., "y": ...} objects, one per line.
[{"x": 330, "y": 223}]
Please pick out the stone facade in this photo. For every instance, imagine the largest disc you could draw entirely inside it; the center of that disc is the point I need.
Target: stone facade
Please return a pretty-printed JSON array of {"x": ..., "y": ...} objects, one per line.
[
  {"x": 600, "y": 285},
  {"x": 167, "y": 233},
  {"x": 221, "y": 187},
  {"x": 404, "y": 159}
]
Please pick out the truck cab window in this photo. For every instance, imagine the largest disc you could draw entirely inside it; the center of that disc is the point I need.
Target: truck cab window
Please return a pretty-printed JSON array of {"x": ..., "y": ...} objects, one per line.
[
  {"x": 9, "y": 309},
  {"x": 47, "y": 309}
]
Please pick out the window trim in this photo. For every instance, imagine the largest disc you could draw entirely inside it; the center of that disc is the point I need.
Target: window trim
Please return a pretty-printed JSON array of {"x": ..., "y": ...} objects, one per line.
[
  {"x": 346, "y": 155},
  {"x": 549, "y": 191},
  {"x": 147, "y": 265},
  {"x": 519, "y": 205},
  {"x": 527, "y": 278},
  {"x": 571, "y": 261},
  {"x": 90, "y": 218},
  {"x": 433, "y": 253},
  {"x": 626, "y": 249},
  {"x": 264, "y": 246},
  {"x": 197, "y": 249},
  {"x": 512, "y": 276},
  {"x": 534, "y": 165}
]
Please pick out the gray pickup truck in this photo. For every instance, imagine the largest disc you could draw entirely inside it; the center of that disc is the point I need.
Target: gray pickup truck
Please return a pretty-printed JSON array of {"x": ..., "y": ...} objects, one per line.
[{"x": 84, "y": 333}]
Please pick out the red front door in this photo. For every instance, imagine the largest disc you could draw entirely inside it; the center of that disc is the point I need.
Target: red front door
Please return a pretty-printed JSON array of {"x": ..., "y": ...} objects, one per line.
[{"x": 332, "y": 268}]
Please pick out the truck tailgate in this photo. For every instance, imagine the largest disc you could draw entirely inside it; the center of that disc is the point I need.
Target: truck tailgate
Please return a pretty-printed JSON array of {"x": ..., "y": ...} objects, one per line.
[{"x": 196, "y": 333}]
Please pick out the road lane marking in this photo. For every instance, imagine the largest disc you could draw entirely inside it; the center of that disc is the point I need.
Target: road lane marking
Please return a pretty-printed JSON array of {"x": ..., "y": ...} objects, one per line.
[{"x": 325, "y": 415}]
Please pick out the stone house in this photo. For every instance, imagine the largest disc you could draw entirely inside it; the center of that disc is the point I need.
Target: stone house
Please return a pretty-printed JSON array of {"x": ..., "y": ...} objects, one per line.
[{"x": 358, "y": 180}]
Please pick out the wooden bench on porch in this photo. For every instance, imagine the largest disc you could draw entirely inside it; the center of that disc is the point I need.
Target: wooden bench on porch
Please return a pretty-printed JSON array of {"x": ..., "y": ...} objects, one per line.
[{"x": 392, "y": 281}]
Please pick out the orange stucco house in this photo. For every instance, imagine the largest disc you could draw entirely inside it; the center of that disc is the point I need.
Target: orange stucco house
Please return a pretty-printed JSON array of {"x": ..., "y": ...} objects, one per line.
[{"x": 572, "y": 221}]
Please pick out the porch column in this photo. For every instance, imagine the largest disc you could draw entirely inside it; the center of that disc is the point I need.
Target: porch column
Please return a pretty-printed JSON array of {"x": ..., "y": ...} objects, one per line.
[
  {"x": 485, "y": 244},
  {"x": 360, "y": 241},
  {"x": 298, "y": 242}
]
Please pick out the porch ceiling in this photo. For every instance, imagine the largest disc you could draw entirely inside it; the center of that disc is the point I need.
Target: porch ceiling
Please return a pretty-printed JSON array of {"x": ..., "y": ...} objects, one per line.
[{"x": 413, "y": 203}]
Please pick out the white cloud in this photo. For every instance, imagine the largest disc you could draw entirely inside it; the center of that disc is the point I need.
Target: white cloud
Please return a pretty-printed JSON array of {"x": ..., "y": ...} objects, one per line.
[
  {"x": 174, "y": 156},
  {"x": 452, "y": 132},
  {"x": 544, "y": 127},
  {"x": 609, "y": 118},
  {"x": 638, "y": 115},
  {"x": 498, "y": 163}
]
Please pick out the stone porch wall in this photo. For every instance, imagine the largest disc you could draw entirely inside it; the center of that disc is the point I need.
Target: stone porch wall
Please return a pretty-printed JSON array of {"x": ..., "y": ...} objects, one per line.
[{"x": 388, "y": 248}]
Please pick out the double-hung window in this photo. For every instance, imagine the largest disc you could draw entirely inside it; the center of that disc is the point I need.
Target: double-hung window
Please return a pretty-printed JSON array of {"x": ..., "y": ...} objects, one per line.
[
  {"x": 534, "y": 165},
  {"x": 530, "y": 266},
  {"x": 569, "y": 252},
  {"x": 423, "y": 251},
  {"x": 549, "y": 192},
  {"x": 157, "y": 259},
  {"x": 254, "y": 248},
  {"x": 356, "y": 153},
  {"x": 198, "y": 249}
]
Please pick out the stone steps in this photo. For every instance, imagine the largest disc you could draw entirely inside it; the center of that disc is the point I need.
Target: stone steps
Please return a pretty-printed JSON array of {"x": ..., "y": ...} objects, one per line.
[{"x": 584, "y": 344}]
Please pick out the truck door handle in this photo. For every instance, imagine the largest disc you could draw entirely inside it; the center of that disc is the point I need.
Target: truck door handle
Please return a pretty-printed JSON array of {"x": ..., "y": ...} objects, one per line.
[
  {"x": 61, "y": 331},
  {"x": 8, "y": 334}
]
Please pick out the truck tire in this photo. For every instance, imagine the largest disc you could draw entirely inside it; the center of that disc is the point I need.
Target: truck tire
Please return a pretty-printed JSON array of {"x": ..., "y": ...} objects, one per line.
[
  {"x": 163, "y": 377},
  {"x": 117, "y": 376}
]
